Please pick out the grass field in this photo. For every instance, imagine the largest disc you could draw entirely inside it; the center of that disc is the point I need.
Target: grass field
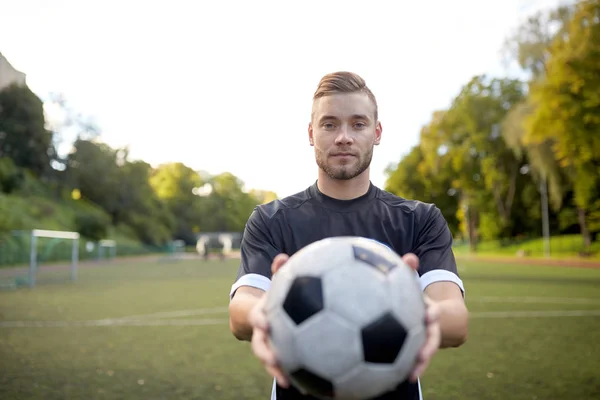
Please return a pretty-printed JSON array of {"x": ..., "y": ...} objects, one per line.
[{"x": 152, "y": 330}]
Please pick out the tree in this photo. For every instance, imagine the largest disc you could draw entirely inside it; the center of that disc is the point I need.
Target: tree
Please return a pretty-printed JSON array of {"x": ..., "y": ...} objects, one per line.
[
  {"x": 412, "y": 178},
  {"x": 567, "y": 109},
  {"x": 466, "y": 143},
  {"x": 174, "y": 184},
  {"x": 530, "y": 44},
  {"x": 23, "y": 136},
  {"x": 263, "y": 196},
  {"x": 227, "y": 207},
  {"x": 93, "y": 169}
]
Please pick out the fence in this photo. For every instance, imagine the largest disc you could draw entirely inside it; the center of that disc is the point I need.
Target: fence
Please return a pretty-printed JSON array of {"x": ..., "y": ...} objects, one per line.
[
  {"x": 15, "y": 249},
  {"x": 559, "y": 246}
]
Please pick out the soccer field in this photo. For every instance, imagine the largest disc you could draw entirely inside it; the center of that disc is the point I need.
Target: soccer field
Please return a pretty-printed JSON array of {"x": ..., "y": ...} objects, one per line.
[{"x": 158, "y": 330}]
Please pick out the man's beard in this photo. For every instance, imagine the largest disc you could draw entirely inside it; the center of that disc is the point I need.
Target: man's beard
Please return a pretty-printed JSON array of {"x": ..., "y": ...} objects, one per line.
[{"x": 344, "y": 172}]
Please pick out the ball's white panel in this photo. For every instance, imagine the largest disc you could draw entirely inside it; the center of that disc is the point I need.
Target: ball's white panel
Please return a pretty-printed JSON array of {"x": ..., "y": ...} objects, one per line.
[
  {"x": 328, "y": 345},
  {"x": 366, "y": 381},
  {"x": 415, "y": 339},
  {"x": 280, "y": 285},
  {"x": 282, "y": 331},
  {"x": 406, "y": 296},
  {"x": 319, "y": 257},
  {"x": 357, "y": 292}
]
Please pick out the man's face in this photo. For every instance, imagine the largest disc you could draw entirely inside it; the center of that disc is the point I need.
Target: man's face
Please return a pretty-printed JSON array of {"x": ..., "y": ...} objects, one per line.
[{"x": 343, "y": 132}]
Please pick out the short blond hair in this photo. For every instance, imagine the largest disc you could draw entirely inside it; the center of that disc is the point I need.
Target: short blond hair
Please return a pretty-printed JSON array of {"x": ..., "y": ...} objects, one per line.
[{"x": 343, "y": 82}]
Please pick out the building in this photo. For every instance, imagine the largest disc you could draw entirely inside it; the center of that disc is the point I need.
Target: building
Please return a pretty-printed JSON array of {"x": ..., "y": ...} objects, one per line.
[{"x": 9, "y": 75}]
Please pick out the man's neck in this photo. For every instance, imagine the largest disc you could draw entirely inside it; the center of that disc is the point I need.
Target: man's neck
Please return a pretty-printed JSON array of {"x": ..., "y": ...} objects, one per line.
[{"x": 343, "y": 189}]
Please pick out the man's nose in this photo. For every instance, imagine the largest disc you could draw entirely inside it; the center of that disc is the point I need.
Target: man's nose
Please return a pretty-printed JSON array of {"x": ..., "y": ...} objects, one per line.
[{"x": 344, "y": 136}]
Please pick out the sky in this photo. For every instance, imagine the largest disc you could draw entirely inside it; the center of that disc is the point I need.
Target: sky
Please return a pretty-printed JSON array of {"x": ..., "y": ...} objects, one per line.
[{"x": 227, "y": 86}]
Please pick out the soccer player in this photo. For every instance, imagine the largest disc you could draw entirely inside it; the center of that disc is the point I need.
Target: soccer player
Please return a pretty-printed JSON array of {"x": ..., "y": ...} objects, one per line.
[{"x": 344, "y": 128}]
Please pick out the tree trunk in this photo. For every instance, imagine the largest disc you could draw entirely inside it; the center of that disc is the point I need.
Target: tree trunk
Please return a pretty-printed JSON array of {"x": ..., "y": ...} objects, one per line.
[
  {"x": 585, "y": 233},
  {"x": 471, "y": 226},
  {"x": 512, "y": 189},
  {"x": 504, "y": 205}
]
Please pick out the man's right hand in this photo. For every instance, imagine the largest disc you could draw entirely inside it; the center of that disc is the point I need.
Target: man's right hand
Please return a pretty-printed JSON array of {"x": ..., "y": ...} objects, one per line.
[{"x": 260, "y": 331}]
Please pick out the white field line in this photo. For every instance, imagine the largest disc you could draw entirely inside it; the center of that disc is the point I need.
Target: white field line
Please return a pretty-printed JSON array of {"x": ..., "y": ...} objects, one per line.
[
  {"x": 173, "y": 314},
  {"x": 202, "y": 322},
  {"x": 98, "y": 323},
  {"x": 536, "y": 300},
  {"x": 535, "y": 314}
]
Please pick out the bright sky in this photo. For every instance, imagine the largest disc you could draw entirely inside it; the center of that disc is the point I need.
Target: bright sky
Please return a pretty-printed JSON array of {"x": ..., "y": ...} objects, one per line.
[{"x": 227, "y": 85}]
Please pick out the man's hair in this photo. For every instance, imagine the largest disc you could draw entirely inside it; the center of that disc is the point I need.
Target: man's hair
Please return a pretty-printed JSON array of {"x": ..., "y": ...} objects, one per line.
[{"x": 343, "y": 82}]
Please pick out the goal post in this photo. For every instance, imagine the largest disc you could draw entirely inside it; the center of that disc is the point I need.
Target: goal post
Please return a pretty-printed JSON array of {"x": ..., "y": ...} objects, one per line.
[
  {"x": 33, "y": 256},
  {"x": 111, "y": 249}
]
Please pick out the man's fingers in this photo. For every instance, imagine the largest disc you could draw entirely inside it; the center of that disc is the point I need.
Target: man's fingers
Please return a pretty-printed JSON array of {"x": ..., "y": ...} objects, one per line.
[
  {"x": 432, "y": 344},
  {"x": 278, "y": 262},
  {"x": 432, "y": 341},
  {"x": 418, "y": 371},
  {"x": 261, "y": 348},
  {"x": 257, "y": 317},
  {"x": 432, "y": 311},
  {"x": 412, "y": 260},
  {"x": 278, "y": 375}
]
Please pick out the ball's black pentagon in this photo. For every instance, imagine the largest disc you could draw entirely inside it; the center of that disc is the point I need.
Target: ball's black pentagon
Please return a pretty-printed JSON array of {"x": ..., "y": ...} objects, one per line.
[
  {"x": 304, "y": 299},
  {"x": 406, "y": 390},
  {"x": 383, "y": 339},
  {"x": 373, "y": 259},
  {"x": 312, "y": 383}
]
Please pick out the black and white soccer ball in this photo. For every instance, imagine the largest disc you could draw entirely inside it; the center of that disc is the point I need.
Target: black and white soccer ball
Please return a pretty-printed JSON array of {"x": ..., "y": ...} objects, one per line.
[{"x": 347, "y": 318}]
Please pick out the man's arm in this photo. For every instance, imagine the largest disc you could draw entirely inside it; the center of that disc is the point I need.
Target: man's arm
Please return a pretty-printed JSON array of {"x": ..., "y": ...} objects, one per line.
[
  {"x": 439, "y": 276},
  {"x": 453, "y": 316},
  {"x": 244, "y": 300},
  {"x": 258, "y": 250}
]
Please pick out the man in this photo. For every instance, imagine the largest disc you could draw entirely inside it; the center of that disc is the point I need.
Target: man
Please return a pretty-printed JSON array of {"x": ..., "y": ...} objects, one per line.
[{"x": 343, "y": 130}]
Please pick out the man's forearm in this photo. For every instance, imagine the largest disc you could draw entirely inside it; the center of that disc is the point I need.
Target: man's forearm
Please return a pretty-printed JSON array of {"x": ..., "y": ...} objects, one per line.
[
  {"x": 239, "y": 309},
  {"x": 454, "y": 322}
]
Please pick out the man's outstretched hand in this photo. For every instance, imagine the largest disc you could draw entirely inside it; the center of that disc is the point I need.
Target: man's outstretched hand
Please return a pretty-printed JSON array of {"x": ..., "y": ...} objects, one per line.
[{"x": 260, "y": 331}]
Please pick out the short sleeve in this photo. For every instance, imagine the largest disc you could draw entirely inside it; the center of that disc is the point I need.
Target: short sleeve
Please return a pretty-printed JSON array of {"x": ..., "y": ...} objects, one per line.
[
  {"x": 433, "y": 247},
  {"x": 258, "y": 249}
]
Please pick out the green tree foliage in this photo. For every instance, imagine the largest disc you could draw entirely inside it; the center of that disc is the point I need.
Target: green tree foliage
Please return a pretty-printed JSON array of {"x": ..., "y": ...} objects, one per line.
[
  {"x": 567, "y": 109},
  {"x": 174, "y": 185},
  {"x": 502, "y": 142},
  {"x": 10, "y": 175},
  {"x": 413, "y": 178},
  {"x": 467, "y": 142},
  {"x": 530, "y": 44},
  {"x": 93, "y": 169},
  {"x": 227, "y": 207},
  {"x": 23, "y": 135}
]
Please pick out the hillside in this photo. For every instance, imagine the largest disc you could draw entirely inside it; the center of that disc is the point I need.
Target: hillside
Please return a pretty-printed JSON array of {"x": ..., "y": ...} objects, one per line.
[{"x": 20, "y": 213}]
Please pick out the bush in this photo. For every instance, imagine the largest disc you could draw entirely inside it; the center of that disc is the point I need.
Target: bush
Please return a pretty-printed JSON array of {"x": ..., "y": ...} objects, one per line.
[
  {"x": 10, "y": 175},
  {"x": 92, "y": 225}
]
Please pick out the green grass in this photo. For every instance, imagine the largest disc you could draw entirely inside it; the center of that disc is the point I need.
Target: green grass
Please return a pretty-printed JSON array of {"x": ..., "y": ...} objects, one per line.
[{"x": 517, "y": 358}]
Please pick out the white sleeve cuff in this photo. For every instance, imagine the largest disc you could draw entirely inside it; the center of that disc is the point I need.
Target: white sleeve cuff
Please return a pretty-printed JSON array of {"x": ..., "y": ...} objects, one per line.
[
  {"x": 440, "y": 275},
  {"x": 253, "y": 280}
]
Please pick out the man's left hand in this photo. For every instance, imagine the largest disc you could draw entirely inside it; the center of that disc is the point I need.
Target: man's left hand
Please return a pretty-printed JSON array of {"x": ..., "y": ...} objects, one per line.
[{"x": 433, "y": 334}]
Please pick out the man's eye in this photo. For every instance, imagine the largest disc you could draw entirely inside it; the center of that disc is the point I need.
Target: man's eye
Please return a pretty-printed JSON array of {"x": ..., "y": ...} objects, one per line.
[
  {"x": 360, "y": 125},
  {"x": 328, "y": 126}
]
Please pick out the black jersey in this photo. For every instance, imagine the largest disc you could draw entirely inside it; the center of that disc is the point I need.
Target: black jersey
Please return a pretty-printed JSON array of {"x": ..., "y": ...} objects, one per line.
[{"x": 289, "y": 224}]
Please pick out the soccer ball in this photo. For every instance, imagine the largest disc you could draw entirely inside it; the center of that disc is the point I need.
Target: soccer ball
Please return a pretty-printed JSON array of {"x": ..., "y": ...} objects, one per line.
[{"x": 346, "y": 318}]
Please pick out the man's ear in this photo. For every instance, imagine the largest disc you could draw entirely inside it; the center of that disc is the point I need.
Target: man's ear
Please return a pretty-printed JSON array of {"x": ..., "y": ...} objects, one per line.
[
  {"x": 310, "y": 134},
  {"x": 378, "y": 130}
]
